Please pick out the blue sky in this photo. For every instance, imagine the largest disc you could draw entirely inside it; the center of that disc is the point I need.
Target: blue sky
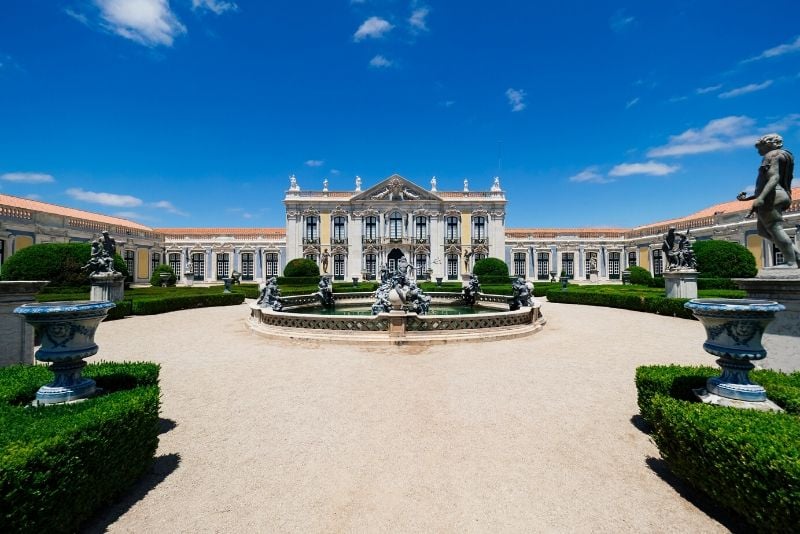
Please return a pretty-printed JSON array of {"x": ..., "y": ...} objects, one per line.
[{"x": 195, "y": 112}]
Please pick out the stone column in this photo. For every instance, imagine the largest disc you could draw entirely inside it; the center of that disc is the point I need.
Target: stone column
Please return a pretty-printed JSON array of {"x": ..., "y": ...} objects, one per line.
[{"x": 17, "y": 335}]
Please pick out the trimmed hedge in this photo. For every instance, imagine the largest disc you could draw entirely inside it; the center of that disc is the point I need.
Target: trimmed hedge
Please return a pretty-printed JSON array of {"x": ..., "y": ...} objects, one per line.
[
  {"x": 716, "y": 283},
  {"x": 152, "y": 306},
  {"x": 640, "y": 276},
  {"x": 724, "y": 259},
  {"x": 61, "y": 463},
  {"x": 155, "y": 278},
  {"x": 490, "y": 267},
  {"x": 301, "y": 267},
  {"x": 60, "y": 263},
  {"x": 495, "y": 279},
  {"x": 626, "y": 301},
  {"x": 745, "y": 460},
  {"x": 287, "y": 281}
]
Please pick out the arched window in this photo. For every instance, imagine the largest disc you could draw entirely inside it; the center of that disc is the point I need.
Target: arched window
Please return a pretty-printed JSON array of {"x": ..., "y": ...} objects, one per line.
[
  {"x": 247, "y": 265},
  {"x": 568, "y": 263},
  {"x": 452, "y": 230},
  {"x": 199, "y": 265},
  {"x": 421, "y": 261},
  {"x": 338, "y": 266},
  {"x": 370, "y": 228},
  {"x": 175, "y": 263},
  {"x": 421, "y": 228},
  {"x": 223, "y": 265},
  {"x": 271, "y": 263},
  {"x": 542, "y": 265},
  {"x": 632, "y": 258},
  {"x": 312, "y": 231},
  {"x": 479, "y": 230},
  {"x": 370, "y": 265},
  {"x": 613, "y": 265},
  {"x": 452, "y": 266},
  {"x": 519, "y": 264}
]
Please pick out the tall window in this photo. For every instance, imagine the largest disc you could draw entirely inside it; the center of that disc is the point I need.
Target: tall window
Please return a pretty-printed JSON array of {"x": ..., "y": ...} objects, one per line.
[
  {"x": 247, "y": 265},
  {"x": 312, "y": 230},
  {"x": 421, "y": 228},
  {"x": 370, "y": 228},
  {"x": 542, "y": 265},
  {"x": 421, "y": 262},
  {"x": 175, "y": 263},
  {"x": 198, "y": 265},
  {"x": 130, "y": 263},
  {"x": 613, "y": 265},
  {"x": 479, "y": 228},
  {"x": 519, "y": 264},
  {"x": 658, "y": 263},
  {"x": 155, "y": 261},
  {"x": 452, "y": 228},
  {"x": 452, "y": 266},
  {"x": 777, "y": 256},
  {"x": 370, "y": 265},
  {"x": 395, "y": 225},
  {"x": 568, "y": 263},
  {"x": 338, "y": 266},
  {"x": 223, "y": 265},
  {"x": 271, "y": 264},
  {"x": 339, "y": 233},
  {"x": 632, "y": 258}
]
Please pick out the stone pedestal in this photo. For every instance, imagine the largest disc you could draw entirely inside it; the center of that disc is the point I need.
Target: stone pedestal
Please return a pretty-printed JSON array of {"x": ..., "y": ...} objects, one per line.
[
  {"x": 107, "y": 286},
  {"x": 227, "y": 285},
  {"x": 593, "y": 275},
  {"x": 188, "y": 279},
  {"x": 681, "y": 284},
  {"x": 465, "y": 278},
  {"x": 17, "y": 335},
  {"x": 397, "y": 323},
  {"x": 782, "y": 336}
]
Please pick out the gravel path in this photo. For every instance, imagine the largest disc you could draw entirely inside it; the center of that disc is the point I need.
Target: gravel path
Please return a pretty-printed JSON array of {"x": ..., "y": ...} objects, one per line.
[{"x": 536, "y": 434}]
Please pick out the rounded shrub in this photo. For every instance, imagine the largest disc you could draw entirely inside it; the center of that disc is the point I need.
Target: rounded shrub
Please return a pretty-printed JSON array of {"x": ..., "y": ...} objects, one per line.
[
  {"x": 640, "y": 276},
  {"x": 301, "y": 267},
  {"x": 155, "y": 278},
  {"x": 490, "y": 267},
  {"x": 723, "y": 259},
  {"x": 60, "y": 263}
]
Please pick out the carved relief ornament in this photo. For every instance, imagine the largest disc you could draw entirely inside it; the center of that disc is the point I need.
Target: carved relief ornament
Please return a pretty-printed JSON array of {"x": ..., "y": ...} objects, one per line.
[
  {"x": 338, "y": 211},
  {"x": 367, "y": 212}
]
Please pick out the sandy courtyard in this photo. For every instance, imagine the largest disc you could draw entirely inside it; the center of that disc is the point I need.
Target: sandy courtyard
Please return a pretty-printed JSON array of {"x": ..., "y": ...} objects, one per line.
[{"x": 530, "y": 435}]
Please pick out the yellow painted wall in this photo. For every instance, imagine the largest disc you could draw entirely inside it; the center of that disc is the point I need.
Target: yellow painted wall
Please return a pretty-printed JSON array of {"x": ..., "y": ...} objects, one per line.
[
  {"x": 466, "y": 229},
  {"x": 644, "y": 257},
  {"x": 22, "y": 241},
  {"x": 325, "y": 227},
  {"x": 755, "y": 246},
  {"x": 142, "y": 263}
]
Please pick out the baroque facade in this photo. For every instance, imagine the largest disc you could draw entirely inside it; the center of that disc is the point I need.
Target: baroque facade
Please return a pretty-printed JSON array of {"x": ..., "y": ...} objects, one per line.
[{"x": 439, "y": 233}]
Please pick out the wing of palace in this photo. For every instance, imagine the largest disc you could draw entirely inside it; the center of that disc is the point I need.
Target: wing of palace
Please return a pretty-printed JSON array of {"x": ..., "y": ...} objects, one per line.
[{"x": 355, "y": 233}]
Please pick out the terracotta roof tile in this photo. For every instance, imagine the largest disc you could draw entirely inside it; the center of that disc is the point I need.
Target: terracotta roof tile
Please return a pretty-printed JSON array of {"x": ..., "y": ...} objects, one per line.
[
  {"x": 35, "y": 205},
  {"x": 244, "y": 232}
]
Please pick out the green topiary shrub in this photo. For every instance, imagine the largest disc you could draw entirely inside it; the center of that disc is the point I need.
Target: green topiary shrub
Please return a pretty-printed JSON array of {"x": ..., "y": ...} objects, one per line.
[
  {"x": 60, "y": 263},
  {"x": 745, "y": 460},
  {"x": 627, "y": 301},
  {"x": 490, "y": 267},
  {"x": 156, "y": 305},
  {"x": 155, "y": 278},
  {"x": 723, "y": 259},
  {"x": 301, "y": 267},
  {"x": 640, "y": 276},
  {"x": 59, "y": 464}
]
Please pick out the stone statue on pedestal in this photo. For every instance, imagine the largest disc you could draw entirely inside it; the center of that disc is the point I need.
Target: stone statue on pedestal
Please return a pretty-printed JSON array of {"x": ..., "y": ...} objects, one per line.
[{"x": 773, "y": 195}]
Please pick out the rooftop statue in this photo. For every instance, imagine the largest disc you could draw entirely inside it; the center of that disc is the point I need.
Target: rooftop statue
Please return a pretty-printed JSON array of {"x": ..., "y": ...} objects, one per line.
[{"x": 773, "y": 195}]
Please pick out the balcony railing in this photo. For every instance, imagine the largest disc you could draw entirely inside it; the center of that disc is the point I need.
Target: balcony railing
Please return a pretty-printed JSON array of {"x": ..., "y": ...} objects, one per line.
[
  {"x": 480, "y": 241},
  {"x": 452, "y": 241},
  {"x": 311, "y": 241},
  {"x": 370, "y": 240},
  {"x": 420, "y": 240},
  {"x": 342, "y": 241}
]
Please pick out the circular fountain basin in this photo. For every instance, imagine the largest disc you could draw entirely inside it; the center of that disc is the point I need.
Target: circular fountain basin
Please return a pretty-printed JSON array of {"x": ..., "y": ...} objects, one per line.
[{"x": 447, "y": 320}]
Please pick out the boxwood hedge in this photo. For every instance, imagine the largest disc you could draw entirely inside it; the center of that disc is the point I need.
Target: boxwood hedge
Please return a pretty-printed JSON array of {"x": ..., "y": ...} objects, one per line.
[
  {"x": 61, "y": 463},
  {"x": 60, "y": 263},
  {"x": 627, "y": 301},
  {"x": 747, "y": 461}
]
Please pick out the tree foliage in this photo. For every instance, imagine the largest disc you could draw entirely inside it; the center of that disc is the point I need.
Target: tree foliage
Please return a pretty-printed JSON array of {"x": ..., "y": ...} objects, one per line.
[
  {"x": 640, "y": 276},
  {"x": 59, "y": 263},
  {"x": 490, "y": 267},
  {"x": 155, "y": 278},
  {"x": 301, "y": 267},
  {"x": 723, "y": 259}
]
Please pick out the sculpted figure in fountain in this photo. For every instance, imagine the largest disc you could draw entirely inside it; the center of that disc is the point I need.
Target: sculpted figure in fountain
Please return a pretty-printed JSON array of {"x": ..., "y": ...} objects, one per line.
[
  {"x": 521, "y": 295},
  {"x": 325, "y": 292},
  {"x": 270, "y": 295},
  {"x": 471, "y": 290}
]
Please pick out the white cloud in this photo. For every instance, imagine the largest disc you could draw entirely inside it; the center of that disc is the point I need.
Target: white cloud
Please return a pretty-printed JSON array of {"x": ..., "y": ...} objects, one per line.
[
  {"x": 217, "y": 6},
  {"x": 336, "y": 172},
  {"x": 590, "y": 175},
  {"x": 516, "y": 99},
  {"x": 632, "y": 103},
  {"x": 620, "y": 21},
  {"x": 709, "y": 89},
  {"x": 781, "y": 125},
  {"x": 315, "y": 163},
  {"x": 80, "y": 17},
  {"x": 449, "y": 103},
  {"x": 131, "y": 215},
  {"x": 779, "y": 50},
  {"x": 106, "y": 199},
  {"x": 148, "y": 22},
  {"x": 719, "y": 134},
  {"x": 652, "y": 168},
  {"x": 380, "y": 62},
  {"x": 168, "y": 206},
  {"x": 750, "y": 88},
  {"x": 417, "y": 19},
  {"x": 373, "y": 27},
  {"x": 27, "y": 177}
]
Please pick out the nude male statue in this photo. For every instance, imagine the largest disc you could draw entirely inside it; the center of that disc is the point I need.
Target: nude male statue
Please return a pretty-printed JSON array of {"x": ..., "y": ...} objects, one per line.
[{"x": 773, "y": 194}]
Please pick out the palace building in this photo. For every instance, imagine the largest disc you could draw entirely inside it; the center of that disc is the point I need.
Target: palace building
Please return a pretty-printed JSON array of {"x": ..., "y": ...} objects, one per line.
[{"x": 440, "y": 233}]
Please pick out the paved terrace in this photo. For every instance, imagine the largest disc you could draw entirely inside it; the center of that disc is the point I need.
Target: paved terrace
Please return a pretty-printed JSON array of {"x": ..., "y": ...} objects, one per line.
[{"x": 538, "y": 434}]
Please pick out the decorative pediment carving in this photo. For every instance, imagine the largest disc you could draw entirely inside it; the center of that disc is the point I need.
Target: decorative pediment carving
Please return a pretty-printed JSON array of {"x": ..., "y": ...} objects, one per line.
[
  {"x": 339, "y": 250},
  {"x": 291, "y": 214},
  {"x": 310, "y": 212},
  {"x": 480, "y": 249},
  {"x": 453, "y": 249},
  {"x": 396, "y": 189},
  {"x": 371, "y": 249},
  {"x": 480, "y": 211},
  {"x": 422, "y": 249},
  {"x": 338, "y": 211},
  {"x": 368, "y": 212},
  {"x": 452, "y": 211},
  {"x": 498, "y": 213},
  {"x": 310, "y": 251}
]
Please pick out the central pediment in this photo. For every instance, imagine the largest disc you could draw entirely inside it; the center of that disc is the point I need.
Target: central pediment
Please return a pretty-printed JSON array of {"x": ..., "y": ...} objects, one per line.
[{"x": 396, "y": 189}]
